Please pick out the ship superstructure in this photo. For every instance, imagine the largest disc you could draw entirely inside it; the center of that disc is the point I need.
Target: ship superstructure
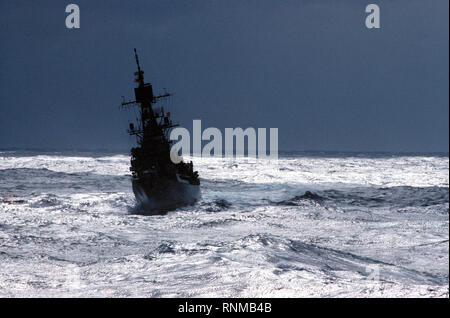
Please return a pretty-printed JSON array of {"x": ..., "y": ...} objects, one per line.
[{"x": 157, "y": 182}]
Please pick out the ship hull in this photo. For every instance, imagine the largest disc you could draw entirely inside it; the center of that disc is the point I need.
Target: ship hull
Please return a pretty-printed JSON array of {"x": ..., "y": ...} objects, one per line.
[{"x": 164, "y": 194}]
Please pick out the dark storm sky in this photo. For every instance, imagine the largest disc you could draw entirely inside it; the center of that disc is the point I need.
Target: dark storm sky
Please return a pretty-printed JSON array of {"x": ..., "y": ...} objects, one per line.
[{"x": 310, "y": 68}]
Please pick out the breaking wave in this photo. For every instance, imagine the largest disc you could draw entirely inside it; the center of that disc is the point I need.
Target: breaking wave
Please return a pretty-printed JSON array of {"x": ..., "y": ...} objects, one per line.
[{"x": 307, "y": 225}]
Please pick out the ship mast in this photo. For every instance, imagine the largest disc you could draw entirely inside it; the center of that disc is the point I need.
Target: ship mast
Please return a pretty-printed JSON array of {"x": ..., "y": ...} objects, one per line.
[
  {"x": 145, "y": 98},
  {"x": 139, "y": 73},
  {"x": 151, "y": 159}
]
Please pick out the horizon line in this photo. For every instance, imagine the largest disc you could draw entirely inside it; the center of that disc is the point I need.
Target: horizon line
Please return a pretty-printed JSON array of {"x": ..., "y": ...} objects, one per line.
[{"x": 77, "y": 149}]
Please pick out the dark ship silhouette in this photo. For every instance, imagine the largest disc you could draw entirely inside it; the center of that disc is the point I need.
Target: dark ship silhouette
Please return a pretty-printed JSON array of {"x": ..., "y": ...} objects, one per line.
[{"x": 158, "y": 183}]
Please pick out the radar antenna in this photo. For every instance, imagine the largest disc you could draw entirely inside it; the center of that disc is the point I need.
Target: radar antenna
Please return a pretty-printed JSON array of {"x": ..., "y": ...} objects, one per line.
[{"x": 139, "y": 73}]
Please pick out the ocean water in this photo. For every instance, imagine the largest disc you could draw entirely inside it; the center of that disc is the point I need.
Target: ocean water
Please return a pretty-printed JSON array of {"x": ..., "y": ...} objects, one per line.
[{"x": 308, "y": 225}]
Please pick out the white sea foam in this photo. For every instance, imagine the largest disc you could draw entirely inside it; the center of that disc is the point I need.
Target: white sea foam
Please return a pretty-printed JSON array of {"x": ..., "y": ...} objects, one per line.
[{"x": 308, "y": 225}]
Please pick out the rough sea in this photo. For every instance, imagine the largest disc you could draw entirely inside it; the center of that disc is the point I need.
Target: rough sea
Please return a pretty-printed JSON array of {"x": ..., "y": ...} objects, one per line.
[{"x": 308, "y": 225}]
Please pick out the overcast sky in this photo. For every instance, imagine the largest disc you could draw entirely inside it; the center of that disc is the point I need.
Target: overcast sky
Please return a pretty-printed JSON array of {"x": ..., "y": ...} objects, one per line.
[{"x": 310, "y": 68}]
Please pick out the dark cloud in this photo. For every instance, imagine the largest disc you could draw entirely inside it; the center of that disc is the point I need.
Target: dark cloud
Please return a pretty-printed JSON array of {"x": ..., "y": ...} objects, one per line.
[{"x": 310, "y": 68}]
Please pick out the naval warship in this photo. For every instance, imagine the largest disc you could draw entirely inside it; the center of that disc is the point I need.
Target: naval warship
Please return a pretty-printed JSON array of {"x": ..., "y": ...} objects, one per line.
[{"x": 158, "y": 183}]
